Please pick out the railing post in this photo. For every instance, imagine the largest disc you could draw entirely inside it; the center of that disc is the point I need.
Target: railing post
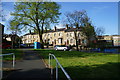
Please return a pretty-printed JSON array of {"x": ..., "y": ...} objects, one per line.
[
  {"x": 56, "y": 71},
  {"x": 49, "y": 60},
  {"x": 13, "y": 60},
  {"x": 1, "y": 72},
  {"x": 57, "y": 64},
  {"x": 51, "y": 64}
]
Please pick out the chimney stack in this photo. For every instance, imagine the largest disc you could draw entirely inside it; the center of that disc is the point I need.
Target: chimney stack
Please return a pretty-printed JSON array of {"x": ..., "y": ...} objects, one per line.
[
  {"x": 67, "y": 26},
  {"x": 55, "y": 28},
  {"x": 30, "y": 31}
]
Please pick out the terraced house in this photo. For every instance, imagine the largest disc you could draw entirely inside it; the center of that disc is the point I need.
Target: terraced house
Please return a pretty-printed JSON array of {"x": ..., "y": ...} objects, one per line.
[
  {"x": 64, "y": 36},
  {"x": 61, "y": 36},
  {"x": 30, "y": 38}
]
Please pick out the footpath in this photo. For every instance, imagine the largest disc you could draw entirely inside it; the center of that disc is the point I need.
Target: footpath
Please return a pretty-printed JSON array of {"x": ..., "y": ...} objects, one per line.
[{"x": 30, "y": 68}]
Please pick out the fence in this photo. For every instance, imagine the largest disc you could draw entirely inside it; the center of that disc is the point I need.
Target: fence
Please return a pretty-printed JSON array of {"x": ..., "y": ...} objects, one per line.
[{"x": 51, "y": 56}]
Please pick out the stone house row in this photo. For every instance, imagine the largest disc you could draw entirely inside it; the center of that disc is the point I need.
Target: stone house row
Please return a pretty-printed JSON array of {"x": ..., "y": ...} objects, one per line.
[
  {"x": 66, "y": 36},
  {"x": 62, "y": 36}
]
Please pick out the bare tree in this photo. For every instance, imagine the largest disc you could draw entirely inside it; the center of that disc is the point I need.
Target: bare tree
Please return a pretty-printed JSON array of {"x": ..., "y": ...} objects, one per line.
[
  {"x": 75, "y": 18},
  {"x": 100, "y": 31},
  {"x": 79, "y": 19}
]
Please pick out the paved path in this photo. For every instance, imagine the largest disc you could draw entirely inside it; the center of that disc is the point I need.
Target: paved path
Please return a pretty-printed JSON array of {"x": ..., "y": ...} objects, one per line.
[{"x": 31, "y": 68}]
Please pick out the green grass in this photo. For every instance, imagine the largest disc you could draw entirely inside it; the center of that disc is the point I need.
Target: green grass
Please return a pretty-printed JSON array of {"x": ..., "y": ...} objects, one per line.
[
  {"x": 81, "y": 65},
  {"x": 18, "y": 54}
]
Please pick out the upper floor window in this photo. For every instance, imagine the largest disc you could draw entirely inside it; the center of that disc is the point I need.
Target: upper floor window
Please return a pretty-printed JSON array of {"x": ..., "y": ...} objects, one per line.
[
  {"x": 44, "y": 35},
  {"x": 48, "y": 34},
  {"x": 54, "y": 34},
  {"x": 29, "y": 36},
  {"x": 33, "y": 36},
  {"x": 78, "y": 34},
  {"x": 70, "y": 34},
  {"x": 67, "y": 34},
  {"x": 59, "y": 34}
]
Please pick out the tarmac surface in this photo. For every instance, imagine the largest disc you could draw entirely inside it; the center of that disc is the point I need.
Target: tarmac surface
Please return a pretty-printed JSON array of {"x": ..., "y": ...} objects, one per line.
[{"x": 31, "y": 67}]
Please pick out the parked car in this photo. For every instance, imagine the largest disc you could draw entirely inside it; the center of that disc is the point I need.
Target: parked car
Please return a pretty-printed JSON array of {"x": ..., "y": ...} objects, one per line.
[
  {"x": 5, "y": 46},
  {"x": 61, "y": 47},
  {"x": 31, "y": 45},
  {"x": 23, "y": 45}
]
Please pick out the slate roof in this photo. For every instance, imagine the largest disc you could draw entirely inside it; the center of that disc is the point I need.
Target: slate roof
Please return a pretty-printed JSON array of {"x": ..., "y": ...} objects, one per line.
[
  {"x": 73, "y": 29},
  {"x": 57, "y": 30},
  {"x": 29, "y": 34},
  {"x": 66, "y": 30}
]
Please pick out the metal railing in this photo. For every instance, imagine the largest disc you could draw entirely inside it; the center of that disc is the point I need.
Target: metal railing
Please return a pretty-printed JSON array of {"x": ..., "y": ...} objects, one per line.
[
  {"x": 13, "y": 61},
  {"x": 51, "y": 56}
]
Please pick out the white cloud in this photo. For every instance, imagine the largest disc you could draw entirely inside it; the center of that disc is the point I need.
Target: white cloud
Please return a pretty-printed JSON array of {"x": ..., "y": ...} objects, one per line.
[
  {"x": 2, "y": 22},
  {"x": 60, "y": 26}
]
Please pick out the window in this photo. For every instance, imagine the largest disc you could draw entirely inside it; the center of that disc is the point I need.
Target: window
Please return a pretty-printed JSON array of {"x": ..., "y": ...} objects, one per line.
[
  {"x": 71, "y": 41},
  {"x": 67, "y": 35},
  {"x": 48, "y": 34},
  {"x": 54, "y": 34},
  {"x": 45, "y": 41},
  {"x": 59, "y": 34},
  {"x": 49, "y": 41},
  {"x": 78, "y": 34},
  {"x": 70, "y": 34},
  {"x": 82, "y": 40},
  {"x": 44, "y": 35},
  {"x": 60, "y": 40},
  {"x": 79, "y": 41},
  {"x": 55, "y": 41}
]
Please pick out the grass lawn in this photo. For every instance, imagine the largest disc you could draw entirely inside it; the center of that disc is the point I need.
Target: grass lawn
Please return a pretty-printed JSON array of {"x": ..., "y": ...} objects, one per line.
[
  {"x": 18, "y": 54},
  {"x": 81, "y": 65}
]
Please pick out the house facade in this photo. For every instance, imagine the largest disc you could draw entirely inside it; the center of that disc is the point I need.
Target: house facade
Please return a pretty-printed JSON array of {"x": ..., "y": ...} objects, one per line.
[
  {"x": 2, "y": 28},
  {"x": 115, "y": 39},
  {"x": 62, "y": 36},
  {"x": 30, "y": 38}
]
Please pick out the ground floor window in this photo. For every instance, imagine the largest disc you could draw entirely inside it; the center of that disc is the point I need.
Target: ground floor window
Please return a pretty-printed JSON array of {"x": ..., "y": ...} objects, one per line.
[
  {"x": 71, "y": 40},
  {"x": 60, "y": 40}
]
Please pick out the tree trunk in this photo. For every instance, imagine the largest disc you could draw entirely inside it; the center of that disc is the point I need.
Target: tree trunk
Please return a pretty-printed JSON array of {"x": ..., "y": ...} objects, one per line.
[
  {"x": 12, "y": 42},
  {"x": 42, "y": 34},
  {"x": 75, "y": 32},
  {"x": 37, "y": 25}
]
